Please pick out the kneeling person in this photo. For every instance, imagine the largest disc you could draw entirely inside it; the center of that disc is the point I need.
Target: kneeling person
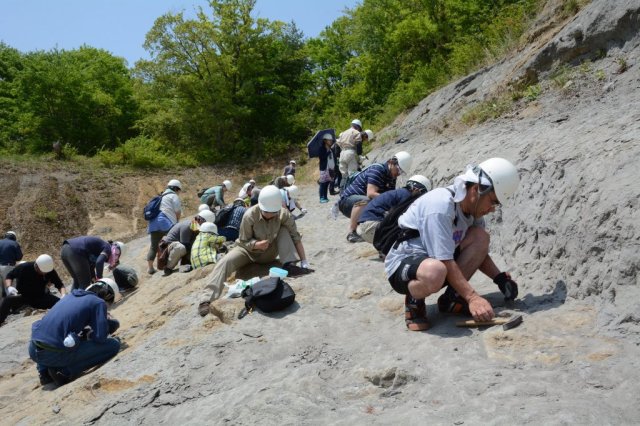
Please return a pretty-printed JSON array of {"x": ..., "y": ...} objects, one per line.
[
  {"x": 267, "y": 231},
  {"x": 74, "y": 335},
  {"x": 206, "y": 245}
]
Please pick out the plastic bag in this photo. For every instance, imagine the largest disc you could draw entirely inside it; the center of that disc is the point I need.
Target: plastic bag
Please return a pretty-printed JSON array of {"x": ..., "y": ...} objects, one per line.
[{"x": 236, "y": 288}]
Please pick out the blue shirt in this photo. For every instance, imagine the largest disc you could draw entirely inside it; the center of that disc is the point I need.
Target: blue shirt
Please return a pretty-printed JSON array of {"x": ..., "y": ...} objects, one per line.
[
  {"x": 94, "y": 249},
  {"x": 72, "y": 314},
  {"x": 236, "y": 217},
  {"x": 10, "y": 252},
  {"x": 376, "y": 209},
  {"x": 377, "y": 174}
]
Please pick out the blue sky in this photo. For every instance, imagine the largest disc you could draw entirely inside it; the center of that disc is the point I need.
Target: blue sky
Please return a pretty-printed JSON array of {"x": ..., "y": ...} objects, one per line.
[{"x": 120, "y": 26}]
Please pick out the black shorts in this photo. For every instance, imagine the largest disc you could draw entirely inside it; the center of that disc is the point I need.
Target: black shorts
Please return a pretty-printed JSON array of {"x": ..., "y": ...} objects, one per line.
[{"x": 408, "y": 270}]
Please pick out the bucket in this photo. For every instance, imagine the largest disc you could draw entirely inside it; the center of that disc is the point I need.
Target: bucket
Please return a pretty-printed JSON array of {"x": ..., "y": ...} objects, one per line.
[{"x": 278, "y": 272}]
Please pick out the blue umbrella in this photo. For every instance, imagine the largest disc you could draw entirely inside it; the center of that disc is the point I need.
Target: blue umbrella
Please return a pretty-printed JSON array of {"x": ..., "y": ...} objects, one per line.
[{"x": 315, "y": 144}]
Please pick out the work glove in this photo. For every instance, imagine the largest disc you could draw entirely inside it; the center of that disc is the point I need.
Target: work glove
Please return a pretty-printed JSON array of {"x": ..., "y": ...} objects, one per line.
[
  {"x": 11, "y": 291},
  {"x": 507, "y": 286},
  {"x": 304, "y": 264}
]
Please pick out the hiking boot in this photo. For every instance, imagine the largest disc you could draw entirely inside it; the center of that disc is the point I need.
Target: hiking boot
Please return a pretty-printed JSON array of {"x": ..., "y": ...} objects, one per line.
[
  {"x": 203, "y": 309},
  {"x": 59, "y": 377},
  {"x": 353, "y": 237},
  {"x": 415, "y": 314},
  {"x": 151, "y": 271},
  {"x": 451, "y": 303},
  {"x": 168, "y": 271},
  {"x": 45, "y": 378}
]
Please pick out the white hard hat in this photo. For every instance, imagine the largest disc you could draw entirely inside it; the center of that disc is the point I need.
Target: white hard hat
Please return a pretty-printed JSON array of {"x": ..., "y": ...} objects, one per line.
[
  {"x": 11, "y": 235},
  {"x": 45, "y": 263},
  {"x": 357, "y": 123},
  {"x": 203, "y": 207},
  {"x": 503, "y": 175},
  {"x": 422, "y": 180},
  {"x": 227, "y": 184},
  {"x": 270, "y": 200},
  {"x": 404, "y": 160},
  {"x": 209, "y": 227},
  {"x": 291, "y": 179},
  {"x": 292, "y": 161},
  {"x": 293, "y": 191},
  {"x": 369, "y": 134},
  {"x": 113, "y": 292},
  {"x": 327, "y": 136},
  {"x": 252, "y": 182},
  {"x": 175, "y": 183},
  {"x": 207, "y": 215}
]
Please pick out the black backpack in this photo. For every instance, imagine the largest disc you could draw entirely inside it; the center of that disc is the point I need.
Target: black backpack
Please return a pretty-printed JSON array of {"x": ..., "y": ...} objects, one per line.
[
  {"x": 269, "y": 295},
  {"x": 223, "y": 216},
  {"x": 152, "y": 209},
  {"x": 388, "y": 232}
]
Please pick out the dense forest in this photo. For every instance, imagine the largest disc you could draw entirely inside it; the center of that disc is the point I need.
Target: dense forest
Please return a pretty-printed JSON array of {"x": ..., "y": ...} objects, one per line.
[{"x": 225, "y": 86}]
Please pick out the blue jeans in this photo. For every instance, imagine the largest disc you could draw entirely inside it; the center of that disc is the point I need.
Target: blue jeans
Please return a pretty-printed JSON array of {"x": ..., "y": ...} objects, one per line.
[{"x": 72, "y": 362}]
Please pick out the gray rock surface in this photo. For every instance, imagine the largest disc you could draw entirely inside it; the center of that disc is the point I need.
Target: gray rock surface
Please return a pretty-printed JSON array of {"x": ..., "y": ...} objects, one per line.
[{"x": 342, "y": 355}]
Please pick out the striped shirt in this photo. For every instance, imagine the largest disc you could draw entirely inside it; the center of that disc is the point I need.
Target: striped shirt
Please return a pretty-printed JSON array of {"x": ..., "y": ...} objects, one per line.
[{"x": 377, "y": 174}]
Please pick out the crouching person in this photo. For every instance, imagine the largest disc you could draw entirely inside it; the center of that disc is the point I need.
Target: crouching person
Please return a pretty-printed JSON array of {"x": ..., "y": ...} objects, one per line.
[
  {"x": 32, "y": 282},
  {"x": 267, "y": 231},
  {"x": 206, "y": 246},
  {"x": 178, "y": 241},
  {"x": 447, "y": 243},
  {"x": 74, "y": 335}
]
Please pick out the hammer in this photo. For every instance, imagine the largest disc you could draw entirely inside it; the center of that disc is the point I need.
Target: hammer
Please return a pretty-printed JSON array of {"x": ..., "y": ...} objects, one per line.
[{"x": 507, "y": 323}]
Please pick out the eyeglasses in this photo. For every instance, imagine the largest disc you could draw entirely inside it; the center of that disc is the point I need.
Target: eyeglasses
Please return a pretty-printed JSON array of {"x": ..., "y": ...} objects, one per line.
[{"x": 494, "y": 200}]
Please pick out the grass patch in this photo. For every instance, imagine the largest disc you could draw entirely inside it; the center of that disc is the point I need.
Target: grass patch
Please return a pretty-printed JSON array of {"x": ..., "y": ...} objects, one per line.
[
  {"x": 43, "y": 213},
  {"x": 491, "y": 109}
]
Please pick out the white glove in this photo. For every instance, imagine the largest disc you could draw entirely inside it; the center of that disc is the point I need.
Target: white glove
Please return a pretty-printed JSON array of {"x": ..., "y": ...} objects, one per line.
[
  {"x": 304, "y": 264},
  {"x": 11, "y": 291},
  {"x": 304, "y": 211}
]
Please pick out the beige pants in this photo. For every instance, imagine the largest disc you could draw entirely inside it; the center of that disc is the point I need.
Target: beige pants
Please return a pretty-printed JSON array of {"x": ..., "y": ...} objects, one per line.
[
  {"x": 367, "y": 230},
  {"x": 239, "y": 257},
  {"x": 176, "y": 251},
  {"x": 348, "y": 162}
]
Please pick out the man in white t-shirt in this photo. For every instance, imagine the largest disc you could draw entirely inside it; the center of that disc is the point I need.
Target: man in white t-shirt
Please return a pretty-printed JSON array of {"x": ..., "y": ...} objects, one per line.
[{"x": 450, "y": 244}]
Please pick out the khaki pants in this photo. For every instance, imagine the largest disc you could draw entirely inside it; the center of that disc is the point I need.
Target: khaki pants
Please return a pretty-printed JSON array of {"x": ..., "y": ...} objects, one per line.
[
  {"x": 176, "y": 251},
  {"x": 239, "y": 257},
  {"x": 348, "y": 162},
  {"x": 367, "y": 230}
]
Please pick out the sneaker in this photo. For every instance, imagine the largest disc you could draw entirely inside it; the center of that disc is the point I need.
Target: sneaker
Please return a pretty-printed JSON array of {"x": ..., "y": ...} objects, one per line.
[
  {"x": 415, "y": 314},
  {"x": 295, "y": 271},
  {"x": 451, "y": 303},
  {"x": 334, "y": 211},
  {"x": 168, "y": 271},
  {"x": 186, "y": 268},
  {"x": 45, "y": 378},
  {"x": 334, "y": 192},
  {"x": 324, "y": 200},
  {"x": 151, "y": 271},
  {"x": 58, "y": 377},
  {"x": 353, "y": 237},
  {"x": 203, "y": 309}
]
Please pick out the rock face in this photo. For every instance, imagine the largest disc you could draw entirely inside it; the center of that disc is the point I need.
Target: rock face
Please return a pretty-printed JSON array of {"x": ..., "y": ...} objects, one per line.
[{"x": 341, "y": 353}]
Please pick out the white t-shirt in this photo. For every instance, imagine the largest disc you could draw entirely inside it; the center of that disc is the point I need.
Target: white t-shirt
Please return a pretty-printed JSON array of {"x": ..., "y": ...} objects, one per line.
[
  {"x": 171, "y": 205},
  {"x": 243, "y": 191},
  {"x": 442, "y": 226}
]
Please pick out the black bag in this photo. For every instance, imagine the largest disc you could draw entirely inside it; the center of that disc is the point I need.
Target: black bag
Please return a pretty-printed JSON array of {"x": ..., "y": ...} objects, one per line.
[
  {"x": 223, "y": 216},
  {"x": 152, "y": 209},
  {"x": 388, "y": 232},
  {"x": 269, "y": 295}
]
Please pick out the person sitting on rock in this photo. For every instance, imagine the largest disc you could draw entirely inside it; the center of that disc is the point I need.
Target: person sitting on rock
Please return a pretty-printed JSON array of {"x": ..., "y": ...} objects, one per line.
[
  {"x": 267, "y": 232},
  {"x": 85, "y": 257},
  {"x": 74, "y": 335},
  {"x": 449, "y": 244},
  {"x": 10, "y": 255},
  {"x": 32, "y": 280},
  {"x": 376, "y": 209},
  {"x": 368, "y": 184},
  {"x": 214, "y": 196},
  {"x": 176, "y": 245}
]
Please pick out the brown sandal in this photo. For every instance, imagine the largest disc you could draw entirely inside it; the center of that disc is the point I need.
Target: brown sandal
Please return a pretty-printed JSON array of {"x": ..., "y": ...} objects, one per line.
[{"x": 415, "y": 314}]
